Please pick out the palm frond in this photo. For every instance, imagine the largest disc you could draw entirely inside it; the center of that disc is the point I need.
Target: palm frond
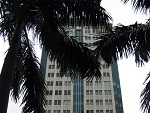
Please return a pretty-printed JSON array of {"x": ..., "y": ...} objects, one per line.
[
  {"x": 142, "y": 5},
  {"x": 28, "y": 80},
  {"x": 145, "y": 96},
  {"x": 123, "y": 41},
  {"x": 71, "y": 55}
]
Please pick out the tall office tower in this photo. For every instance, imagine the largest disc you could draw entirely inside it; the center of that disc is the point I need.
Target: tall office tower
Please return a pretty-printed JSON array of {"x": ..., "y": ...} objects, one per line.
[{"x": 81, "y": 96}]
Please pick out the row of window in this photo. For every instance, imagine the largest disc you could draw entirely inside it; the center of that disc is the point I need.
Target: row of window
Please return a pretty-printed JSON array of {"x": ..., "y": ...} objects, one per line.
[
  {"x": 98, "y": 92},
  {"x": 104, "y": 66},
  {"x": 59, "y": 83},
  {"x": 57, "y": 75},
  {"x": 59, "y": 92},
  {"x": 97, "y": 31},
  {"x": 87, "y": 111},
  {"x": 99, "y": 111},
  {"x": 88, "y": 92},
  {"x": 98, "y": 102},
  {"x": 105, "y": 74},
  {"x": 58, "y": 102},
  {"x": 57, "y": 111},
  {"x": 88, "y": 83},
  {"x": 97, "y": 83},
  {"x": 88, "y": 102}
]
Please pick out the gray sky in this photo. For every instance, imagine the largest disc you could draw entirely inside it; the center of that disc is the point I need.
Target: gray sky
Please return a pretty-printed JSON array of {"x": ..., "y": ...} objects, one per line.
[{"x": 131, "y": 77}]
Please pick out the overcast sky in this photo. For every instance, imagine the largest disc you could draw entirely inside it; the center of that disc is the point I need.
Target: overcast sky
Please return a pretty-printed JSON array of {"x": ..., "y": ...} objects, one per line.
[{"x": 131, "y": 77}]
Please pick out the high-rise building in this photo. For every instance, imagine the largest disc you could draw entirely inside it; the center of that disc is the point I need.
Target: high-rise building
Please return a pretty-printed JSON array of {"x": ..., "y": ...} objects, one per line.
[{"x": 81, "y": 96}]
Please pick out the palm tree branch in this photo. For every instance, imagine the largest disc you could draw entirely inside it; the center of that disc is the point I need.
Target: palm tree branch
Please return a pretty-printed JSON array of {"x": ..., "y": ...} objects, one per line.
[
  {"x": 142, "y": 5},
  {"x": 145, "y": 96},
  {"x": 71, "y": 55},
  {"x": 123, "y": 41},
  {"x": 30, "y": 83}
]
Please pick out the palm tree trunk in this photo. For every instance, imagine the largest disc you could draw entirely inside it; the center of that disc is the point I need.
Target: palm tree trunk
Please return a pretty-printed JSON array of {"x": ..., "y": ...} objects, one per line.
[{"x": 9, "y": 67}]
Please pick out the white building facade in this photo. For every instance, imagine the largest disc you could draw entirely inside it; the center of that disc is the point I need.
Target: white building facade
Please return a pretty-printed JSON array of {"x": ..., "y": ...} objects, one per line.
[{"x": 81, "y": 96}]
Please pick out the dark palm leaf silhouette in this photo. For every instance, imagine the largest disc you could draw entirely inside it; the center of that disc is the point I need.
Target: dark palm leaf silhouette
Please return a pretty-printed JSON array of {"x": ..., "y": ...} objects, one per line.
[
  {"x": 142, "y": 5},
  {"x": 145, "y": 96},
  {"x": 123, "y": 41},
  {"x": 47, "y": 19}
]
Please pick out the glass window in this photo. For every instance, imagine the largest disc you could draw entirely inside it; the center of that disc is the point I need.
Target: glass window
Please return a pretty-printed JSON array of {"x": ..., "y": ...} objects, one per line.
[
  {"x": 87, "y": 38},
  {"x": 87, "y": 92},
  {"x": 91, "y": 92},
  {"x": 87, "y": 102},
  {"x": 49, "y": 111},
  {"x": 51, "y": 66},
  {"x": 98, "y": 83},
  {"x": 85, "y": 31},
  {"x": 58, "y": 92},
  {"x": 99, "y": 102},
  {"x": 66, "y": 102},
  {"x": 107, "y": 111},
  {"x": 106, "y": 102},
  {"x": 107, "y": 66},
  {"x": 91, "y": 102},
  {"x": 93, "y": 30},
  {"x": 87, "y": 83},
  {"x": 50, "y": 92},
  {"x": 67, "y": 92},
  {"x": 109, "y": 92},
  {"x": 110, "y": 102},
  {"x": 57, "y": 74},
  {"x": 50, "y": 102},
  {"x": 108, "y": 75},
  {"x": 56, "y": 111},
  {"x": 89, "y": 111},
  {"x": 106, "y": 83},
  {"x": 106, "y": 92},
  {"x": 49, "y": 83},
  {"x": 50, "y": 74},
  {"x": 101, "y": 111},
  {"x": 98, "y": 92},
  {"x": 58, "y": 83},
  {"x": 57, "y": 102},
  {"x": 66, "y": 111},
  {"x": 91, "y": 83},
  {"x": 97, "y": 111},
  {"x": 67, "y": 83},
  {"x": 104, "y": 74},
  {"x": 111, "y": 111}
]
